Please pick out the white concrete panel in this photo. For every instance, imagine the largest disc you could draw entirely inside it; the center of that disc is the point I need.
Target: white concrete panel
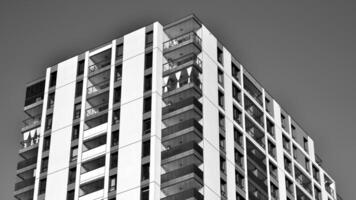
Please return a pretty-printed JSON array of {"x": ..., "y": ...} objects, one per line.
[
  {"x": 61, "y": 130},
  {"x": 209, "y": 43},
  {"x": 211, "y": 123},
  {"x": 134, "y": 43},
  {"x": 131, "y": 123},
  {"x": 210, "y": 194},
  {"x": 133, "y": 194},
  {"x": 129, "y": 170},
  {"x": 211, "y": 169}
]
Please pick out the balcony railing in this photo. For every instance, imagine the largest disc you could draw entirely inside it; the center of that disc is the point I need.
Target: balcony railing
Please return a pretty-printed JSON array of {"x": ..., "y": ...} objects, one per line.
[
  {"x": 25, "y": 183},
  {"x": 181, "y": 172},
  {"x": 97, "y": 87},
  {"x": 190, "y": 59},
  {"x": 27, "y": 162},
  {"x": 182, "y": 148},
  {"x": 182, "y": 104},
  {"x": 32, "y": 121},
  {"x": 181, "y": 83},
  {"x": 99, "y": 65},
  {"x": 96, "y": 109},
  {"x": 187, "y": 194},
  {"x": 182, "y": 39},
  {"x": 30, "y": 141},
  {"x": 181, "y": 126}
]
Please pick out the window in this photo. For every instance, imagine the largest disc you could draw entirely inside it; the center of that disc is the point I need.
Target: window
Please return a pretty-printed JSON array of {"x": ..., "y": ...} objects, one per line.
[
  {"x": 239, "y": 197},
  {"x": 44, "y": 165},
  {"x": 222, "y": 143},
  {"x": 75, "y": 132},
  {"x": 48, "y": 122},
  {"x": 305, "y": 144},
  {"x": 78, "y": 89},
  {"x": 274, "y": 191},
  {"x": 147, "y": 104},
  {"x": 317, "y": 193},
  {"x": 289, "y": 186},
  {"x": 148, "y": 60},
  {"x": 284, "y": 122},
  {"x": 72, "y": 175},
  {"x": 148, "y": 83},
  {"x": 46, "y": 143},
  {"x": 77, "y": 110},
  {"x": 287, "y": 164},
  {"x": 235, "y": 72},
  {"x": 220, "y": 55},
  {"x": 239, "y": 179},
  {"x": 221, "y": 77},
  {"x": 116, "y": 116},
  {"x": 223, "y": 188},
  {"x": 238, "y": 136},
  {"x": 270, "y": 127},
  {"x": 80, "y": 68},
  {"x": 42, "y": 186},
  {"x": 237, "y": 115},
  {"x": 236, "y": 93},
  {"x": 70, "y": 195},
  {"x": 272, "y": 149},
  {"x": 113, "y": 160},
  {"x": 146, "y": 147},
  {"x": 239, "y": 158},
  {"x": 50, "y": 100},
  {"x": 74, "y": 153},
  {"x": 316, "y": 173},
  {"x": 118, "y": 72},
  {"x": 222, "y": 165},
  {"x": 117, "y": 95},
  {"x": 53, "y": 79},
  {"x": 286, "y": 143},
  {"x": 273, "y": 170},
  {"x": 145, "y": 193},
  {"x": 149, "y": 39},
  {"x": 221, "y": 121},
  {"x": 115, "y": 138},
  {"x": 119, "y": 51},
  {"x": 146, "y": 126},
  {"x": 112, "y": 183},
  {"x": 145, "y": 173},
  {"x": 221, "y": 99}
]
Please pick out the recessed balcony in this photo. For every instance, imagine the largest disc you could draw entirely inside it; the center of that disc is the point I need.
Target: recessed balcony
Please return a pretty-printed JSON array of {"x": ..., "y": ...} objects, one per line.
[
  {"x": 181, "y": 179},
  {"x": 254, "y": 193},
  {"x": 182, "y": 45},
  {"x": 99, "y": 61},
  {"x": 98, "y": 83},
  {"x": 257, "y": 176},
  {"x": 25, "y": 183},
  {"x": 31, "y": 122},
  {"x": 185, "y": 109},
  {"x": 26, "y": 162},
  {"x": 256, "y": 155},
  {"x": 34, "y": 94},
  {"x": 254, "y": 131},
  {"x": 191, "y": 194},
  {"x": 182, "y": 26},
  {"x": 188, "y": 130},
  {"x": 188, "y": 61},
  {"x": 24, "y": 194}
]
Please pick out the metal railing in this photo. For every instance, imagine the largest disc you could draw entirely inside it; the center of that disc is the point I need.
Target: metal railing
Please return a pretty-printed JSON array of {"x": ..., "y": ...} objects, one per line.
[
  {"x": 97, "y": 87},
  {"x": 96, "y": 109},
  {"x": 186, "y": 194},
  {"x": 181, "y": 126},
  {"x": 181, "y": 104},
  {"x": 99, "y": 65},
  {"x": 182, "y": 39},
  {"x": 181, "y": 172},
  {"x": 182, "y": 82},
  {"x": 30, "y": 141},
  {"x": 190, "y": 58},
  {"x": 182, "y": 148}
]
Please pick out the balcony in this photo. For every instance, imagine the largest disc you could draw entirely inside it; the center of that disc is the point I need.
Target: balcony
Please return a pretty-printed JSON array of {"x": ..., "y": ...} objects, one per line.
[
  {"x": 24, "y": 194},
  {"x": 257, "y": 176},
  {"x": 183, "y": 155},
  {"x": 26, "y": 162},
  {"x": 177, "y": 112},
  {"x": 174, "y": 90},
  {"x": 98, "y": 83},
  {"x": 255, "y": 193},
  {"x": 254, "y": 111},
  {"x": 34, "y": 94},
  {"x": 303, "y": 180},
  {"x": 256, "y": 155},
  {"x": 30, "y": 139},
  {"x": 255, "y": 132},
  {"x": 188, "y": 130},
  {"x": 99, "y": 61},
  {"x": 182, "y": 45},
  {"x": 181, "y": 179},
  {"x": 191, "y": 194},
  {"x": 97, "y": 87},
  {"x": 190, "y": 60},
  {"x": 253, "y": 90},
  {"x": 31, "y": 122},
  {"x": 25, "y": 183}
]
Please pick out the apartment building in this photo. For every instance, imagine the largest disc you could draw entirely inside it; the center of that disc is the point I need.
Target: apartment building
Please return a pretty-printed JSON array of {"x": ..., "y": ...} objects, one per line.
[{"x": 162, "y": 113}]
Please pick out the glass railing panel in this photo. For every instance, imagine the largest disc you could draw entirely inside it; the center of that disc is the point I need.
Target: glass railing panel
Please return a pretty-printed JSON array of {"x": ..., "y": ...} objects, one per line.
[{"x": 182, "y": 39}]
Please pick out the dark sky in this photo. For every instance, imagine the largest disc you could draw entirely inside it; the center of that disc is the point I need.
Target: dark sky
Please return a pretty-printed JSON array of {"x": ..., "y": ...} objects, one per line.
[{"x": 303, "y": 53}]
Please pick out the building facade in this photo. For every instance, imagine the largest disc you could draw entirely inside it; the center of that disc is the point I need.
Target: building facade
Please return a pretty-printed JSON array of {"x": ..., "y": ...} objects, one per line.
[{"x": 164, "y": 112}]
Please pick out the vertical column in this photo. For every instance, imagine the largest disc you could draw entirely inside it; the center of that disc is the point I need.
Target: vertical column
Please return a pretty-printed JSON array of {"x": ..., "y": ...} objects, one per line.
[
  {"x": 210, "y": 117},
  {"x": 42, "y": 130},
  {"x": 61, "y": 130},
  {"x": 156, "y": 115},
  {"x": 129, "y": 154}
]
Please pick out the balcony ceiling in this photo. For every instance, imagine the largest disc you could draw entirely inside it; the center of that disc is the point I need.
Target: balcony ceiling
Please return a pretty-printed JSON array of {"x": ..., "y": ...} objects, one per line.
[{"x": 180, "y": 27}]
